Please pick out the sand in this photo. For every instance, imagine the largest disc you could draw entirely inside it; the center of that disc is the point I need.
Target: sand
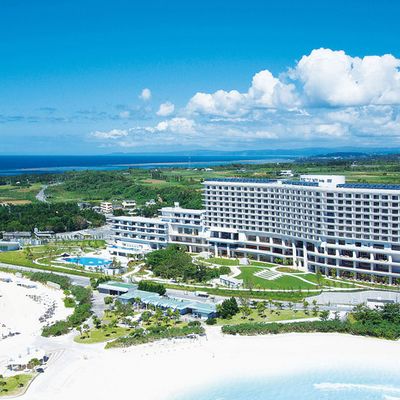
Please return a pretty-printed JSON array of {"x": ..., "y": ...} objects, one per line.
[
  {"x": 20, "y": 310},
  {"x": 167, "y": 369}
]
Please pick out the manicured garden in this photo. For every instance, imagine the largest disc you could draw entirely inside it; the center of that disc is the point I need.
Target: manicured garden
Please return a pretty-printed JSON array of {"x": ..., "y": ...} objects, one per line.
[
  {"x": 284, "y": 295},
  {"x": 381, "y": 323},
  {"x": 46, "y": 254},
  {"x": 103, "y": 334},
  {"x": 267, "y": 316},
  {"x": 284, "y": 282}
]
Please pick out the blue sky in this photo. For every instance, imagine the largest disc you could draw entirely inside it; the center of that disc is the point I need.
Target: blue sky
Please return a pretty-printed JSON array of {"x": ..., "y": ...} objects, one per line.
[{"x": 220, "y": 74}]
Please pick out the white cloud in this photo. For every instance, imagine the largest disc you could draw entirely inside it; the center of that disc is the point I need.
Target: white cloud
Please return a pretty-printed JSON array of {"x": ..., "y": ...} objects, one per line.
[
  {"x": 322, "y": 78},
  {"x": 166, "y": 109},
  {"x": 145, "y": 95},
  {"x": 328, "y": 98},
  {"x": 334, "y": 78},
  {"x": 175, "y": 125},
  {"x": 112, "y": 134}
]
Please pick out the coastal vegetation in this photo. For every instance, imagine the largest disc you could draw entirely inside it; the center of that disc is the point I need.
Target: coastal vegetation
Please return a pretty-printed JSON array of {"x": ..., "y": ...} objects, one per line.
[
  {"x": 381, "y": 322},
  {"x": 82, "y": 301},
  {"x": 154, "y": 333},
  {"x": 125, "y": 325},
  {"x": 14, "y": 385}
]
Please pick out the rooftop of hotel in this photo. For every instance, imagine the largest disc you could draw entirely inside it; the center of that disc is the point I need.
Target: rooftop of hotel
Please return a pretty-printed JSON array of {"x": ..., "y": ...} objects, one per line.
[
  {"x": 153, "y": 220},
  {"x": 179, "y": 209},
  {"x": 311, "y": 181}
]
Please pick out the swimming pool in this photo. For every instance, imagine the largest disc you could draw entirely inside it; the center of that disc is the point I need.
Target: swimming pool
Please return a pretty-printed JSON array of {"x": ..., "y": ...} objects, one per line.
[{"x": 88, "y": 261}]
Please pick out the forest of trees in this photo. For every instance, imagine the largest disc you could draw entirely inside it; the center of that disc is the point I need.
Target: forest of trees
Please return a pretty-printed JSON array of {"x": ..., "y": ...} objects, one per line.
[
  {"x": 59, "y": 217},
  {"x": 110, "y": 186}
]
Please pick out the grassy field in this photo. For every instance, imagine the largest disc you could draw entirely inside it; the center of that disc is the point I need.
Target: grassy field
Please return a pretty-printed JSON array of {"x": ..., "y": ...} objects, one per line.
[
  {"x": 102, "y": 334},
  {"x": 101, "y": 185},
  {"x": 268, "y": 316},
  {"x": 14, "y": 385},
  {"x": 17, "y": 194},
  {"x": 284, "y": 282}
]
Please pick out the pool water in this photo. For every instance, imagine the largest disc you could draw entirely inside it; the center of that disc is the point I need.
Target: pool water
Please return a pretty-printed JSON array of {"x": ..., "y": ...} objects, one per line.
[
  {"x": 355, "y": 384},
  {"x": 88, "y": 261}
]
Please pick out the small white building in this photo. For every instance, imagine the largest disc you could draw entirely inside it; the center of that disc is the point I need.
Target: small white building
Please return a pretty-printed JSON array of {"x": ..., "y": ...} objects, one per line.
[
  {"x": 9, "y": 246},
  {"x": 230, "y": 282},
  {"x": 129, "y": 205},
  {"x": 286, "y": 172},
  {"x": 106, "y": 208}
]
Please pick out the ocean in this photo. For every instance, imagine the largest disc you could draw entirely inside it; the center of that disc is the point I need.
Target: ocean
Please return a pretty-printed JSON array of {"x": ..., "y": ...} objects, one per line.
[
  {"x": 354, "y": 384},
  {"x": 17, "y": 165}
]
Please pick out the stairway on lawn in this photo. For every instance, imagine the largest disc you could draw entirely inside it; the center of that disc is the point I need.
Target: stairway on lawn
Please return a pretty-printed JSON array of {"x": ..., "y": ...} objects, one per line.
[{"x": 268, "y": 274}]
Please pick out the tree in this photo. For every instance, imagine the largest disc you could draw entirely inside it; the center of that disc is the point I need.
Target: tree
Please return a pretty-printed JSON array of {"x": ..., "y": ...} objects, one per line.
[
  {"x": 244, "y": 308},
  {"x": 150, "y": 286},
  {"x": 228, "y": 308},
  {"x": 261, "y": 308},
  {"x": 324, "y": 315}
]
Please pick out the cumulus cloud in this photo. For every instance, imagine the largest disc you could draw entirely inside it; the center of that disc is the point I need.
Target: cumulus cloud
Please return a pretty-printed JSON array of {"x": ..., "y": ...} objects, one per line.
[
  {"x": 265, "y": 91},
  {"x": 166, "y": 109},
  {"x": 336, "y": 79},
  {"x": 175, "y": 125},
  {"x": 145, "y": 95},
  {"x": 327, "y": 98},
  {"x": 112, "y": 134},
  {"x": 323, "y": 78}
]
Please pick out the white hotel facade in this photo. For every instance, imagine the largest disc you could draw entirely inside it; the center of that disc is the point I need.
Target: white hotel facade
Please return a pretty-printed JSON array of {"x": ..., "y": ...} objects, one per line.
[{"x": 320, "y": 223}]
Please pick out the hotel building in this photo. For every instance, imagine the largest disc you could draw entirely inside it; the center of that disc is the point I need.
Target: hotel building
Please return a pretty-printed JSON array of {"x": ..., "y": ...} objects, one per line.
[
  {"x": 320, "y": 223},
  {"x": 175, "y": 225}
]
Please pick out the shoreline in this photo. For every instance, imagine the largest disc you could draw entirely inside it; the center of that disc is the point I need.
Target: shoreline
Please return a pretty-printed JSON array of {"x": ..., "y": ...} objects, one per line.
[{"x": 169, "y": 369}]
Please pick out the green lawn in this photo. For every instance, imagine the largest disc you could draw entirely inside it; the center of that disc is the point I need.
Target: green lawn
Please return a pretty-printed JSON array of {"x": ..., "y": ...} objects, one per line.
[
  {"x": 326, "y": 282},
  {"x": 222, "y": 261},
  {"x": 294, "y": 296},
  {"x": 234, "y": 261},
  {"x": 284, "y": 282},
  {"x": 275, "y": 316},
  {"x": 14, "y": 385},
  {"x": 102, "y": 335}
]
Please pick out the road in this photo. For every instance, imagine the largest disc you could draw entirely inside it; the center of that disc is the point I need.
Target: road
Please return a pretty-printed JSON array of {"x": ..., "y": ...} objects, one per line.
[
  {"x": 75, "y": 279},
  {"x": 41, "y": 196},
  {"x": 332, "y": 301}
]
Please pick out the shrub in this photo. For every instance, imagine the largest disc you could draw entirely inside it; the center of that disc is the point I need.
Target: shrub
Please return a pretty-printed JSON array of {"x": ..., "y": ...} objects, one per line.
[
  {"x": 57, "y": 329},
  {"x": 69, "y": 302}
]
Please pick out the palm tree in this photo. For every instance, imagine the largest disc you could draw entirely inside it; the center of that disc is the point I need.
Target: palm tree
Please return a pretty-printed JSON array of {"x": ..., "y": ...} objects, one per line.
[{"x": 305, "y": 306}]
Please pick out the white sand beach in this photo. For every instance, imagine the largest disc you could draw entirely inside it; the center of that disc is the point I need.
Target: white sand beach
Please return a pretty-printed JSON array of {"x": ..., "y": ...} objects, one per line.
[
  {"x": 167, "y": 369},
  {"x": 21, "y": 308}
]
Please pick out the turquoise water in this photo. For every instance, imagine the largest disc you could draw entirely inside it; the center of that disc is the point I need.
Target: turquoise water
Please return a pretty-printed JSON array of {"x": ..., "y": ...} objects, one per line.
[
  {"x": 88, "y": 261},
  {"x": 352, "y": 384}
]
